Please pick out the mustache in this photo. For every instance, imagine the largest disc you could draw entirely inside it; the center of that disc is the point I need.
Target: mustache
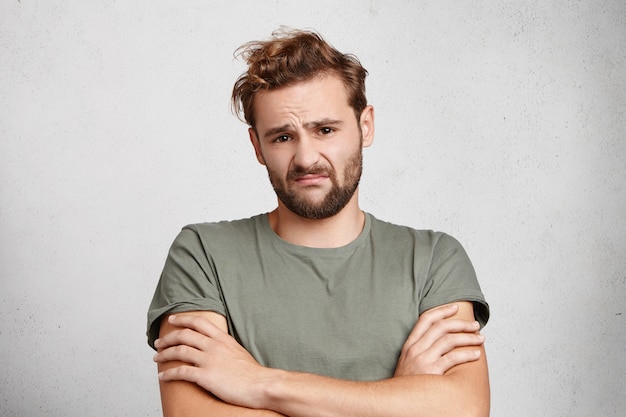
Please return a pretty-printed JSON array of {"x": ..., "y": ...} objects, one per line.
[{"x": 299, "y": 172}]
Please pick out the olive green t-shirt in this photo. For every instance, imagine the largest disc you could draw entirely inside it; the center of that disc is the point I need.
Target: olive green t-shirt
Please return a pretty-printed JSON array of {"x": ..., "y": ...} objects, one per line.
[{"x": 343, "y": 312}]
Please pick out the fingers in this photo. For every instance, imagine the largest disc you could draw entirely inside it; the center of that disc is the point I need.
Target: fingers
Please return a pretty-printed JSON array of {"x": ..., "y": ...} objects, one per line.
[
  {"x": 445, "y": 345},
  {"x": 427, "y": 319},
  {"x": 192, "y": 331},
  {"x": 434, "y": 324},
  {"x": 442, "y": 338},
  {"x": 181, "y": 373},
  {"x": 442, "y": 345},
  {"x": 458, "y": 357},
  {"x": 452, "y": 359},
  {"x": 187, "y": 337},
  {"x": 197, "y": 323},
  {"x": 194, "y": 334},
  {"x": 182, "y": 353},
  {"x": 448, "y": 351},
  {"x": 441, "y": 331}
]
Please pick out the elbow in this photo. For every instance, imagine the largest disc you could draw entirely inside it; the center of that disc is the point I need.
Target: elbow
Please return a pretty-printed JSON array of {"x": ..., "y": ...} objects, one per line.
[
  {"x": 473, "y": 398},
  {"x": 472, "y": 389},
  {"x": 468, "y": 407},
  {"x": 477, "y": 404},
  {"x": 477, "y": 409}
]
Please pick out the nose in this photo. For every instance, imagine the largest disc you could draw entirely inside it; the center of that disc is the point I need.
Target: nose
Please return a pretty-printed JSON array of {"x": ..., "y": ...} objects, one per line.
[{"x": 307, "y": 155}]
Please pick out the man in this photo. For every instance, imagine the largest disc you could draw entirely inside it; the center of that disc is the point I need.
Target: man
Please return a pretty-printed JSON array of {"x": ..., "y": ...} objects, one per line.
[{"x": 317, "y": 308}]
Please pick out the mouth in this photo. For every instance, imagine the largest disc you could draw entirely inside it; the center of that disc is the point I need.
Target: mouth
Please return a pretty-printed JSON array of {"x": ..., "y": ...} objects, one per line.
[{"x": 310, "y": 179}]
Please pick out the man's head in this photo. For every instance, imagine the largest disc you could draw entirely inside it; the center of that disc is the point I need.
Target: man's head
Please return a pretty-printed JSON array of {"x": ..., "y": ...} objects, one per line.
[
  {"x": 308, "y": 115},
  {"x": 310, "y": 142},
  {"x": 292, "y": 56}
]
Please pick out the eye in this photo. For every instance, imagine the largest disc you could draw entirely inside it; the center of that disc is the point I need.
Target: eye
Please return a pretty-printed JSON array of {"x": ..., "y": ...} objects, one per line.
[
  {"x": 326, "y": 130},
  {"x": 281, "y": 139}
]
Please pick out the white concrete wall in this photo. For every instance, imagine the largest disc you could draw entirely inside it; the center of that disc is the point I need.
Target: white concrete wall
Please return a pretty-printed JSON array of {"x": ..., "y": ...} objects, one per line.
[{"x": 501, "y": 123}]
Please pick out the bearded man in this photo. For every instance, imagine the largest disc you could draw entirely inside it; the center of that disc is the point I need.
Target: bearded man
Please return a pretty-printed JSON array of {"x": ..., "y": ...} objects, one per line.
[{"x": 316, "y": 308}]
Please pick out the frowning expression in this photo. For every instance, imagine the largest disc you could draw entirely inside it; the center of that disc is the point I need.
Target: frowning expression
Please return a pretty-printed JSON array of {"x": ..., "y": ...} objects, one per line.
[{"x": 310, "y": 141}]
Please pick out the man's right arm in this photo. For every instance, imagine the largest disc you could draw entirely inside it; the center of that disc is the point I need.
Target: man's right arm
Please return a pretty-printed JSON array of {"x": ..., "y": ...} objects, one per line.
[{"x": 182, "y": 398}]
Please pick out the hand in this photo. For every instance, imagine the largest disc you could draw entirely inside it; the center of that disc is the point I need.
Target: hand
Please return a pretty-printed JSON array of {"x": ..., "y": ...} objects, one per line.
[
  {"x": 212, "y": 359},
  {"x": 431, "y": 347}
]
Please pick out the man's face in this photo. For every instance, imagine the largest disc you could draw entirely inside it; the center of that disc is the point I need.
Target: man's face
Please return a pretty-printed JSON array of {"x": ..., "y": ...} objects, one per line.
[{"x": 310, "y": 141}]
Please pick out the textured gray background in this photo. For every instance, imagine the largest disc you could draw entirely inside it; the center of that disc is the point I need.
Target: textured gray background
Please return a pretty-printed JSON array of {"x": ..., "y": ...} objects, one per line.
[{"x": 501, "y": 123}]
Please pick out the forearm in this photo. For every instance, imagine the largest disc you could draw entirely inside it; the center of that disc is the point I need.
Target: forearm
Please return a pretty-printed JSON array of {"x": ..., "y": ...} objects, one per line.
[
  {"x": 185, "y": 399},
  {"x": 304, "y": 395},
  {"x": 461, "y": 392}
]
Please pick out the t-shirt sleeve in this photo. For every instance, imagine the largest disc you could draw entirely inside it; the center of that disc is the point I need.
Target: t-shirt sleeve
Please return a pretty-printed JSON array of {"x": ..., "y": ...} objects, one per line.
[
  {"x": 451, "y": 278},
  {"x": 187, "y": 283}
]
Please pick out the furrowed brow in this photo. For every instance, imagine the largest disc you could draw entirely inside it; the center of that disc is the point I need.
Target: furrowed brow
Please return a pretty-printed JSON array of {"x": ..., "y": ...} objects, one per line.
[
  {"x": 323, "y": 122},
  {"x": 276, "y": 130},
  {"x": 309, "y": 125}
]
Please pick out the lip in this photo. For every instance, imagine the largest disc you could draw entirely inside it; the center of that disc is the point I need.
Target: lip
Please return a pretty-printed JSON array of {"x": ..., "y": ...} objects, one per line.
[{"x": 311, "y": 179}]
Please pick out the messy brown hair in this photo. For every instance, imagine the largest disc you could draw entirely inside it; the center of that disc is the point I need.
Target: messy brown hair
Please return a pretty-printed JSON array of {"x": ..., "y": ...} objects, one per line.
[{"x": 292, "y": 56}]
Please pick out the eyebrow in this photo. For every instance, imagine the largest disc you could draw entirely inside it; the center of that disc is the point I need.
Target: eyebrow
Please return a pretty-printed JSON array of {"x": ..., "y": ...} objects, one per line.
[{"x": 309, "y": 125}]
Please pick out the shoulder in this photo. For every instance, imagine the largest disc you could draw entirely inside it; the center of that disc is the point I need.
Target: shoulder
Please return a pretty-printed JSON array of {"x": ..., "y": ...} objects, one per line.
[
  {"x": 422, "y": 237},
  {"x": 220, "y": 233},
  {"x": 447, "y": 270},
  {"x": 424, "y": 243},
  {"x": 246, "y": 225}
]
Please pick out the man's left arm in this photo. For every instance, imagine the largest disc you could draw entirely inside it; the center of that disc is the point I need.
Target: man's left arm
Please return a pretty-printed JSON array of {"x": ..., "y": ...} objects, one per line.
[{"x": 221, "y": 366}]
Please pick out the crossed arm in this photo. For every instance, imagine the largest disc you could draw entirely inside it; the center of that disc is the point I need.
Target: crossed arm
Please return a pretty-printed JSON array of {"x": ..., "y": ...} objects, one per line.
[{"x": 442, "y": 371}]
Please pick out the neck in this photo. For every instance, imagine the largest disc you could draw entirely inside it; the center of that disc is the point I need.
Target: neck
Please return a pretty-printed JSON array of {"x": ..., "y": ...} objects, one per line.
[{"x": 332, "y": 232}]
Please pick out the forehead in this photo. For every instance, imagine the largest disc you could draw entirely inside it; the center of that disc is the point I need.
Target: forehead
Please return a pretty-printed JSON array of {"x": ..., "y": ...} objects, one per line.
[{"x": 320, "y": 97}]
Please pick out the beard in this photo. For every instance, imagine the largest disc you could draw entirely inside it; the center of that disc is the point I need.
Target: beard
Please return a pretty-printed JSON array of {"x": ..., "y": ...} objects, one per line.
[{"x": 334, "y": 200}]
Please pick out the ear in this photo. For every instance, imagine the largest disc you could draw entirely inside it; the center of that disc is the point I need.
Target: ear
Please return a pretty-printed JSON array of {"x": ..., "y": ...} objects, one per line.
[
  {"x": 254, "y": 139},
  {"x": 367, "y": 125}
]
